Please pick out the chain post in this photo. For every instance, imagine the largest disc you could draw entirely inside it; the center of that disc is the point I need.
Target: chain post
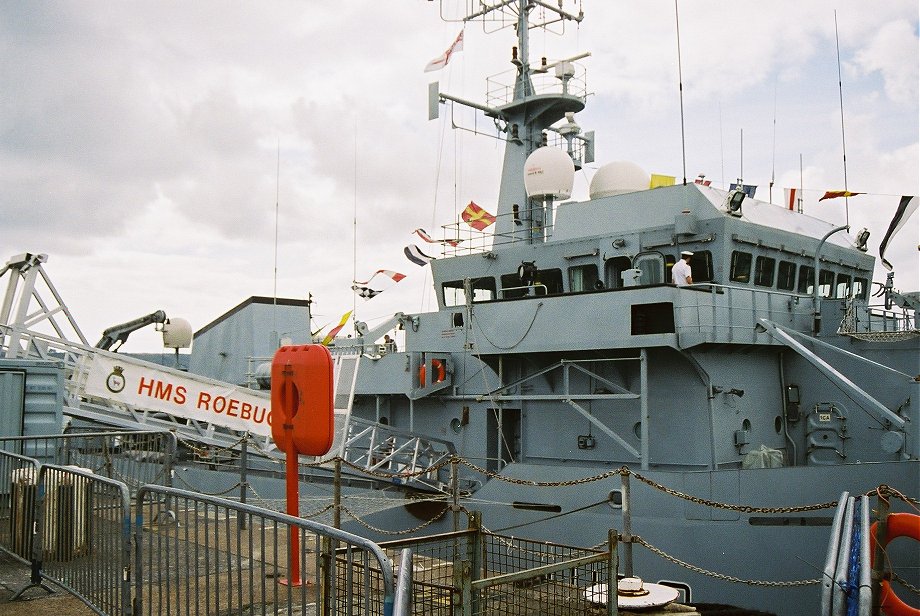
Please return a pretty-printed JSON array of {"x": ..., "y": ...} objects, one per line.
[
  {"x": 455, "y": 493},
  {"x": 242, "y": 521},
  {"x": 627, "y": 526},
  {"x": 612, "y": 565},
  {"x": 337, "y": 495}
]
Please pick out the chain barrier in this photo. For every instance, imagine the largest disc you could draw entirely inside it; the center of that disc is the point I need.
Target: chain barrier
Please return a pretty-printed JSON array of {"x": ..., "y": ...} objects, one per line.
[
  {"x": 200, "y": 491},
  {"x": 540, "y": 484},
  {"x": 625, "y": 470},
  {"x": 274, "y": 505},
  {"x": 730, "y": 507},
  {"x": 392, "y": 533},
  {"x": 208, "y": 451},
  {"x": 722, "y": 576},
  {"x": 905, "y": 583}
]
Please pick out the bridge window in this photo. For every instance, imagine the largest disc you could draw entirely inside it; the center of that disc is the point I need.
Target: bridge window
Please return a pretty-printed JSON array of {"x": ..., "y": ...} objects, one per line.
[
  {"x": 583, "y": 278},
  {"x": 826, "y": 283},
  {"x": 785, "y": 276},
  {"x": 454, "y": 294},
  {"x": 551, "y": 279},
  {"x": 806, "y": 279},
  {"x": 860, "y": 286},
  {"x": 614, "y": 271},
  {"x": 545, "y": 282},
  {"x": 763, "y": 271},
  {"x": 700, "y": 266},
  {"x": 512, "y": 287},
  {"x": 843, "y": 286},
  {"x": 740, "y": 267},
  {"x": 483, "y": 290}
]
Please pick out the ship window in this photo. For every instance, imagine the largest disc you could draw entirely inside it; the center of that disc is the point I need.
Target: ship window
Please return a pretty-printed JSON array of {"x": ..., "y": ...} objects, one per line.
[
  {"x": 511, "y": 286},
  {"x": 741, "y": 267},
  {"x": 701, "y": 266},
  {"x": 614, "y": 271},
  {"x": 860, "y": 286},
  {"x": 826, "y": 283},
  {"x": 545, "y": 282},
  {"x": 843, "y": 286},
  {"x": 806, "y": 279},
  {"x": 548, "y": 281},
  {"x": 483, "y": 289},
  {"x": 785, "y": 277},
  {"x": 453, "y": 293},
  {"x": 583, "y": 278},
  {"x": 763, "y": 271}
]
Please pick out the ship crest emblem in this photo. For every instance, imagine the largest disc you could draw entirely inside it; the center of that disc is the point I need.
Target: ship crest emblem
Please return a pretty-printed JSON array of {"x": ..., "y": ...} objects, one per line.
[{"x": 115, "y": 382}]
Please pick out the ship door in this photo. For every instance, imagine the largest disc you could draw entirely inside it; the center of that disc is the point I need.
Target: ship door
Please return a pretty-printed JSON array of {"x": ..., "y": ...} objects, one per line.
[
  {"x": 503, "y": 438},
  {"x": 651, "y": 264}
]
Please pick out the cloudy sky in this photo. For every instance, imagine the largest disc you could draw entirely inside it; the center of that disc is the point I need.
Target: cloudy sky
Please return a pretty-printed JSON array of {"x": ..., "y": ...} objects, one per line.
[{"x": 146, "y": 147}]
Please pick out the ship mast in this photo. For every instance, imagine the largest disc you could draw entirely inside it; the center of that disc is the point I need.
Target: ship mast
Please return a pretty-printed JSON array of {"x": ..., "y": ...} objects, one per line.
[{"x": 524, "y": 120}]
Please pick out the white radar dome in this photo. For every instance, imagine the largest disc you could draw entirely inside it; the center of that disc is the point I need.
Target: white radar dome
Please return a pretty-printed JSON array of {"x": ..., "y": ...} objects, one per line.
[
  {"x": 549, "y": 172},
  {"x": 618, "y": 178},
  {"x": 177, "y": 334}
]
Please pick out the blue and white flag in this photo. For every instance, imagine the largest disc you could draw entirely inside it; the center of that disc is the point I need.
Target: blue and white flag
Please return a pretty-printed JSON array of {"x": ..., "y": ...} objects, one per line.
[
  {"x": 416, "y": 256},
  {"x": 906, "y": 208}
]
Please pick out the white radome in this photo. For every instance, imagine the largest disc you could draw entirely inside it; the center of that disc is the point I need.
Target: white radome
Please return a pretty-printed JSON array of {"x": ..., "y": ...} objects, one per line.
[
  {"x": 549, "y": 172},
  {"x": 618, "y": 178}
]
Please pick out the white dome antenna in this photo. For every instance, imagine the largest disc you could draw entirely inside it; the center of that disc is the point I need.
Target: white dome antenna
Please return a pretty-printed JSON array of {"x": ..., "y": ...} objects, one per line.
[
  {"x": 618, "y": 178},
  {"x": 177, "y": 334},
  {"x": 549, "y": 172}
]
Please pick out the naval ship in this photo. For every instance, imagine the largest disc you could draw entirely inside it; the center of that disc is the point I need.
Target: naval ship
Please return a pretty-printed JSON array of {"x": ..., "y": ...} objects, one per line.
[
  {"x": 561, "y": 350},
  {"x": 563, "y": 360}
]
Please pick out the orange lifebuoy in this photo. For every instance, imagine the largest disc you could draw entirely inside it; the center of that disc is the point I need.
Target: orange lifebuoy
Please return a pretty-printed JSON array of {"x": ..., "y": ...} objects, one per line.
[
  {"x": 899, "y": 525},
  {"x": 439, "y": 373},
  {"x": 302, "y": 399}
]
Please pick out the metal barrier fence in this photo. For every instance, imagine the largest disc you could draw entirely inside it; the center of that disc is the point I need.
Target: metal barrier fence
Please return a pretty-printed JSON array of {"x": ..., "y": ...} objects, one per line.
[
  {"x": 71, "y": 526},
  {"x": 17, "y": 505},
  {"x": 475, "y": 572},
  {"x": 223, "y": 557},
  {"x": 83, "y": 539},
  {"x": 134, "y": 458}
]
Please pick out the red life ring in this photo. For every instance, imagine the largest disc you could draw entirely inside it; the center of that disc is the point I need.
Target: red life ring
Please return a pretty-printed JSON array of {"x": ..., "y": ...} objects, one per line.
[
  {"x": 899, "y": 525},
  {"x": 439, "y": 373}
]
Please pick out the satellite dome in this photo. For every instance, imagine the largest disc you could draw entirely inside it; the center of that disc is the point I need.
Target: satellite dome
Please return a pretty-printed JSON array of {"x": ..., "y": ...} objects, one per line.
[
  {"x": 264, "y": 375},
  {"x": 549, "y": 172},
  {"x": 177, "y": 334},
  {"x": 618, "y": 178}
]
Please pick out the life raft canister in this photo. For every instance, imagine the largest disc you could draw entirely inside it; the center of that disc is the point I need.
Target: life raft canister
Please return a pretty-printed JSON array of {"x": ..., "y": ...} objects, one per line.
[
  {"x": 439, "y": 372},
  {"x": 302, "y": 399},
  {"x": 899, "y": 525}
]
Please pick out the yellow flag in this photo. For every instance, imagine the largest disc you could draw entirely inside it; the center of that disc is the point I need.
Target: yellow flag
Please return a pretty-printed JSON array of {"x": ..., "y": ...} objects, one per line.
[
  {"x": 332, "y": 332},
  {"x": 661, "y": 180}
]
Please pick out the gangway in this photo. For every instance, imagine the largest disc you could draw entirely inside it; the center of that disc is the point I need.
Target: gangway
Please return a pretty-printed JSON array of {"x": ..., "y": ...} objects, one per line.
[{"x": 129, "y": 393}]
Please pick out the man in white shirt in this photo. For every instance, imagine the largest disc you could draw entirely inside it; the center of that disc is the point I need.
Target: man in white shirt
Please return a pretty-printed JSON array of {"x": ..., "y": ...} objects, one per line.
[{"x": 680, "y": 273}]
